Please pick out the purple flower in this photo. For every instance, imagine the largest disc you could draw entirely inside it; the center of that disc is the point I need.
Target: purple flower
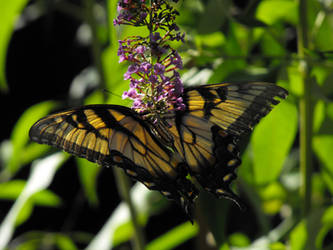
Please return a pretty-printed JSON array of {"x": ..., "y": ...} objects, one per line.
[
  {"x": 133, "y": 68},
  {"x": 152, "y": 88},
  {"x": 179, "y": 104},
  {"x": 153, "y": 79},
  {"x": 154, "y": 37},
  {"x": 134, "y": 83},
  {"x": 131, "y": 93},
  {"x": 145, "y": 67},
  {"x": 140, "y": 49},
  {"x": 159, "y": 69},
  {"x": 177, "y": 60}
]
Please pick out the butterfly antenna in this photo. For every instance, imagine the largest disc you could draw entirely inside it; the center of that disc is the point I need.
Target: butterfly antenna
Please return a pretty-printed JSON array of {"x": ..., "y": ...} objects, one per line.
[{"x": 111, "y": 93}]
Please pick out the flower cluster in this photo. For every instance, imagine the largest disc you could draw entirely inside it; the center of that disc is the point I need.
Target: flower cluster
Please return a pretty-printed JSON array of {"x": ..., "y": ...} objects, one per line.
[{"x": 155, "y": 84}]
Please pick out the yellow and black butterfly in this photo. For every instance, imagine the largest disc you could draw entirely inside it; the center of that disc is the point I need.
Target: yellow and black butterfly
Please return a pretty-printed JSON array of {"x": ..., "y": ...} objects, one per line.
[{"x": 200, "y": 140}]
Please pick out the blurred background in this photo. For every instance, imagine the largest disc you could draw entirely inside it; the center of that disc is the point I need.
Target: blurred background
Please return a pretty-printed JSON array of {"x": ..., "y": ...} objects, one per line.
[{"x": 58, "y": 54}]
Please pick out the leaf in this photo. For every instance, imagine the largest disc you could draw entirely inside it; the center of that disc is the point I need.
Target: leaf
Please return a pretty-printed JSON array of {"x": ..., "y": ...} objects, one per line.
[
  {"x": 215, "y": 40},
  {"x": 327, "y": 226},
  {"x": 11, "y": 190},
  {"x": 10, "y": 11},
  {"x": 272, "y": 140},
  {"x": 40, "y": 178},
  {"x": 175, "y": 237},
  {"x": 46, "y": 198},
  {"x": 107, "y": 237},
  {"x": 323, "y": 145},
  {"x": 270, "y": 11},
  {"x": 214, "y": 16},
  {"x": 64, "y": 242},
  {"x": 303, "y": 236},
  {"x": 20, "y": 133},
  {"x": 88, "y": 173},
  {"x": 239, "y": 240}
]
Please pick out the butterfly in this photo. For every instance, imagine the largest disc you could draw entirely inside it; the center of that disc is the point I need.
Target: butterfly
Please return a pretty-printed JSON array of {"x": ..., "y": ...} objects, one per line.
[{"x": 200, "y": 141}]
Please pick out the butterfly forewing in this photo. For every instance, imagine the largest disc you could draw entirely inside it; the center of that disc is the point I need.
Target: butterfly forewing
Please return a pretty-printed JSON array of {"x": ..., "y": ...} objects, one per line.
[
  {"x": 116, "y": 135},
  {"x": 236, "y": 108}
]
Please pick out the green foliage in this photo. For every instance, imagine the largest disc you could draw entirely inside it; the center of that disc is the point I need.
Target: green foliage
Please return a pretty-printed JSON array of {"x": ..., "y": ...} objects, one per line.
[
  {"x": 11, "y": 11},
  {"x": 224, "y": 42}
]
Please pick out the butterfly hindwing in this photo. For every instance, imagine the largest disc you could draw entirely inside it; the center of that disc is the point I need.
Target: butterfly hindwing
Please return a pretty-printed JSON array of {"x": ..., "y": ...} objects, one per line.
[
  {"x": 115, "y": 135},
  {"x": 216, "y": 115}
]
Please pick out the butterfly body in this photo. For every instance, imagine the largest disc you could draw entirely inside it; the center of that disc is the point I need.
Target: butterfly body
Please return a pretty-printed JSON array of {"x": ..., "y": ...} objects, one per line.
[{"x": 200, "y": 141}]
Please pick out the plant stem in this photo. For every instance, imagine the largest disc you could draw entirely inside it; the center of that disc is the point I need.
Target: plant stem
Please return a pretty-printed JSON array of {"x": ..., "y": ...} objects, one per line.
[
  {"x": 123, "y": 186},
  {"x": 122, "y": 180},
  {"x": 305, "y": 110}
]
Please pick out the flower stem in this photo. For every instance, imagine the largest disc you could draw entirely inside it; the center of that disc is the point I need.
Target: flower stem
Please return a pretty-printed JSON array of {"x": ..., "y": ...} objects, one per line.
[
  {"x": 305, "y": 110},
  {"x": 122, "y": 180}
]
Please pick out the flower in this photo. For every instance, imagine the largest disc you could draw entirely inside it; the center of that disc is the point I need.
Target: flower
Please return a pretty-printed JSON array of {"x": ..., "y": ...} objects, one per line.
[
  {"x": 159, "y": 68},
  {"x": 155, "y": 84},
  {"x": 133, "y": 68},
  {"x": 141, "y": 49},
  {"x": 145, "y": 67}
]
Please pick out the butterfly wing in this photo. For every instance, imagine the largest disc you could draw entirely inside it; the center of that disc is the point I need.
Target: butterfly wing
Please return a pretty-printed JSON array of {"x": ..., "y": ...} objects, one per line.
[
  {"x": 206, "y": 133},
  {"x": 115, "y": 135}
]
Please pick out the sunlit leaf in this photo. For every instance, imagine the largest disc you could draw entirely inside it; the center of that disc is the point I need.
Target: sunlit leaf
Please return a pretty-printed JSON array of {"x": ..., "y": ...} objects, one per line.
[
  {"x": 239, "y": 240},
  {"x": 46, "y": 198},
  {"x": 303, "y": 236},
  {"x": 327, "y": 221},
  {"x": 10, "y": 12},
  {"x": 271, "y": 11},
  {"x": 215, "y": 39},
  {"x": 11, "y": 190},
  {"x": 106, "y": 237},
  {"x": 40, "y": 178},
  {"x": 272, "y": 140},
  {"x": 64, "y": 242},
  {"x": 175, "y": 237},
  {"x": 323, "y": 145},
  {"x": 273, "y": 197},
  {"x": 24, "y": 213},
  {"x": 20, "y": 133}
]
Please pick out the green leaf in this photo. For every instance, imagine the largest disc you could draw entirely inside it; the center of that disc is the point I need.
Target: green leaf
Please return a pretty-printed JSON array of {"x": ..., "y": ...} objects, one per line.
[
  {"x": 327, "y": 226},
  {"x": 10, "y": 11},
  {"x": 11, "y": 190},
  {"x": 64, "y": 242},
  {"x": 88, "y": 173},
  {"x": 323, "y": 145},
  {"x": 271, "y": 11},
  {"x": 272, "y": 140},
  {"x": 107, "y": 237},
  {"x": 239, "y": 240},
  {"x": 214, "y": 16},
  {"x": 46, "y": 198},
  {"x": 24, "y": 213},
  {"x": 20, "y": 133},
  {"x": 215, "y": 39},
  {"x": 175, "y": 237},
  {"x": 303, "y": 236},
  {"x": 40, "y": 178}
]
